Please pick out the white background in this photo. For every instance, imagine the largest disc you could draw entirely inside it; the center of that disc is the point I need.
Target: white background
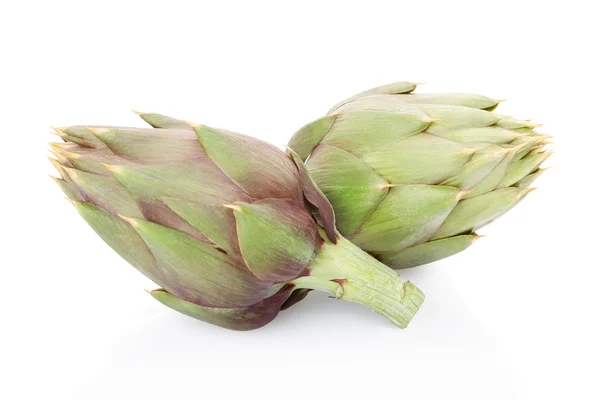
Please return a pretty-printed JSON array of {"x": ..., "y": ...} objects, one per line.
[{"x": 515, "y": 316}]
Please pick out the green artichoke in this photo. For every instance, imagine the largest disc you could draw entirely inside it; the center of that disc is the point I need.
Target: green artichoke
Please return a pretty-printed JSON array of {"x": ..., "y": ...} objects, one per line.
[
  {"x": 412, "y": 176},
  {"x": 221, "y": 221}
]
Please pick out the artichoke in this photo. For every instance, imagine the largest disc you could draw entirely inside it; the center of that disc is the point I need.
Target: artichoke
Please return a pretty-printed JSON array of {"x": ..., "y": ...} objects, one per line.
[
  {"x": 411, "y": 177},
  {"x": 221, "y": 221}
]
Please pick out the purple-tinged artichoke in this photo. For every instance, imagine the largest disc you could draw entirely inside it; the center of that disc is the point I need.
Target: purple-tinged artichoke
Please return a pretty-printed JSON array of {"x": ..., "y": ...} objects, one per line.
[{"x": 221, "y": 221}]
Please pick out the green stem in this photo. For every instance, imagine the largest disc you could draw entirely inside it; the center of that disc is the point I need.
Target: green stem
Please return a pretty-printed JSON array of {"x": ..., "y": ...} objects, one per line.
[
  {"x": 316, "y": 282},
  {"x": 350, "y": 274}
]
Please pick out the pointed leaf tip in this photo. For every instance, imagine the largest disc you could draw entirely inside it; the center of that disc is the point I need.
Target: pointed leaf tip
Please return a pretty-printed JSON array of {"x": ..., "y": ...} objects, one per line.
[
  {"x": 98, "y": 132},
  {"x": 407, "y": 216},
  {"x": 61, "y": 135},
  {"x": 116, "y": 169},
  {"x": 162, "y": 121},
  {"x": 234, "y": 207},
  {"x": 131, "y": 221},
  {"x": 506, "y": 150},
  {"x": 57, "y": 146},
  {"x": 197, "y": 271},
  {"x": 471, "y": 150},
  {"x": 56, "y": 164},
  {"x": 304, "y": 141},
  {"x": 472, "y": 213},
  {"x": 57, "y": 131},
  {"x": 462, "y": 194},
  {"x": 525, "y": 192},
  {"x": 95, "y": 131}
]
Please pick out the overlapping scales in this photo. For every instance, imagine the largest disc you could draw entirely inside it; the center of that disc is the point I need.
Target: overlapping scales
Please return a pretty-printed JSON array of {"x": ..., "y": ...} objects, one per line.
[
  {"x": 412, "y": 176},
  {"x": 183, "y": 203}
]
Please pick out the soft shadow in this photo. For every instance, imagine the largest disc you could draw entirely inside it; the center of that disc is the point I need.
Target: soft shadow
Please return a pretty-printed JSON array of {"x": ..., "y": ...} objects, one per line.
[{"x": 445, "y": 341}]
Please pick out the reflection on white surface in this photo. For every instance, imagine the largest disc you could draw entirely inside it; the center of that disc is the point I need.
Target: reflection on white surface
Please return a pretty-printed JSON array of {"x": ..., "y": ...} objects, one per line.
[{"x": 330, "y": 348}]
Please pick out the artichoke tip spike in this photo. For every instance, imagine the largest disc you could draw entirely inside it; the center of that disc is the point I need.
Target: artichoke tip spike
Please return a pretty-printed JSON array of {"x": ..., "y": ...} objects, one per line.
[
  {"x": 471, "y": 150},
  {"x": 55, "y": 145},
  {"x": 70, "y": 154},
  {"x": 94, "y": 131},
  {"x": 194, "y": 125},
  {"x": 545, "y": 136},
  {"x": 289, "y": 151},
  {"x": 546, "y": 156},
  {"x": 476, "y": 237},
  {"x": 72, "y": 172},
  {"x": 112, "y": 168},
  {"x": 234, "y": 207},
  {"x": 61, "y": 135},
  {"x": 57, "y": 131},
  {"x": 131, "y": 221},
  {"x": 518, "y": 148},
  {"x": 462, "y": 194},
  {"x": 505, "y": 151},
  {"x": 98, "y": 132},
  {"x": 72, "y": 202},
  {"x": 55, "y": 163},
  {"x": 138, "y": 113},
  {"x": 524, "y": 192}
]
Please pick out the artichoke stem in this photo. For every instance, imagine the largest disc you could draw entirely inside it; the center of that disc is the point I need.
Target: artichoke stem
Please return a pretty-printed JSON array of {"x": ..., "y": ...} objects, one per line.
[{"x": 350, "y": 274}]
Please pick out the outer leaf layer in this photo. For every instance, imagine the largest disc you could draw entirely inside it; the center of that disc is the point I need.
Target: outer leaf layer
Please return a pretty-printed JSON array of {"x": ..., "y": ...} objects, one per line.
[
  {"x": 162, "y": 121},
  {"x": 119, "y": 235},
  {"x": 260, "y": 169},
  {"x": 428, "y": 252},
  {"x": 197, "y": 272},
  {"x": 277, "y": 238},
  {"x": 387, "y": 137},
  {"x": 239, "y": 319},
  {"x": 315, "y": 196},
  {"x": 352, "y": 187},
  {"x": 409, "y": 215},
  {"x": 307, "y": 138}
]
